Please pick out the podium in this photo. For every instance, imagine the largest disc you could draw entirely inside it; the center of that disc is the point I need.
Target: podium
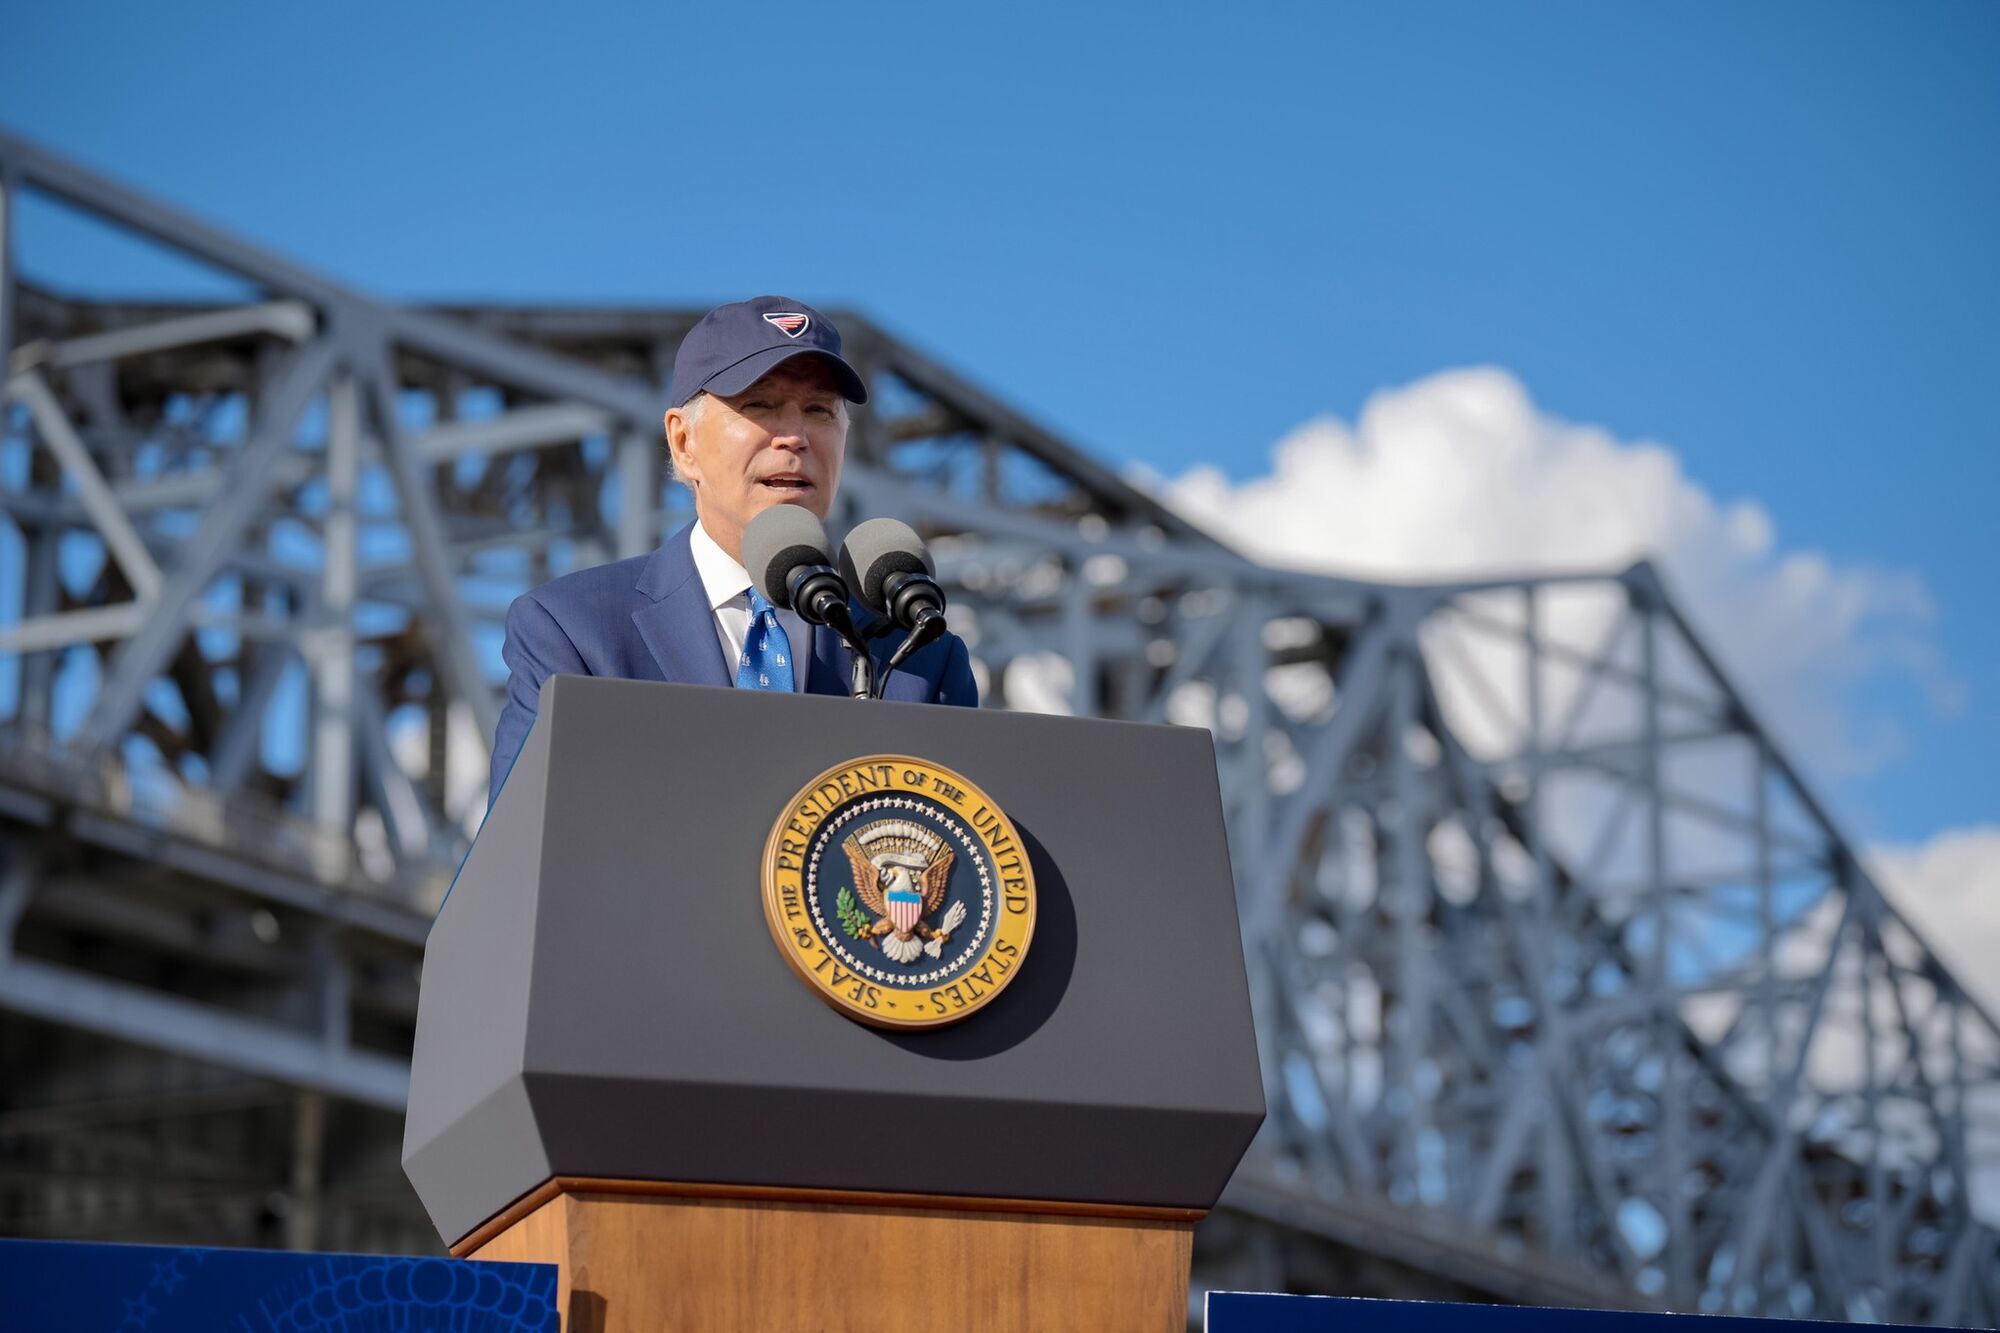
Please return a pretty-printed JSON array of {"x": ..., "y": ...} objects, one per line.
[{"x": 618, "y": 1070}]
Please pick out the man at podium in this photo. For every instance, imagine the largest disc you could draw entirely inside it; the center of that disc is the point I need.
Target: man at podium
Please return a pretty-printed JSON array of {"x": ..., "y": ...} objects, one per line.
[{"x": 757, "y": 417}]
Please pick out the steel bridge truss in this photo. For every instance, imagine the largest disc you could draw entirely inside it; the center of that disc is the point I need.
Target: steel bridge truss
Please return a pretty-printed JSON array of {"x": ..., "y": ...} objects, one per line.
[{"x": 1567, "y": 987}]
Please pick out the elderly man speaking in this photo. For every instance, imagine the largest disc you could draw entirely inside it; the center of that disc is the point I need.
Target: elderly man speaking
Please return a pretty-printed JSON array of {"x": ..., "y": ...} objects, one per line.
[{"x": 757, "y": 417}]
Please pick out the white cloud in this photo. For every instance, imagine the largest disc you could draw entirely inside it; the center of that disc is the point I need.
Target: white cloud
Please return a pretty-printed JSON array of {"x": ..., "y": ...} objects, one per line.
[
  {"x": 1462, "y": 474},
  {"x": 1949, "y": 889}
]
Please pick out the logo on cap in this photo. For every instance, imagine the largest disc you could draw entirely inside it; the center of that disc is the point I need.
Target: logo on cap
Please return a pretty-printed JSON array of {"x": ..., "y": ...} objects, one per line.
[{"x": 790, "y": 323}]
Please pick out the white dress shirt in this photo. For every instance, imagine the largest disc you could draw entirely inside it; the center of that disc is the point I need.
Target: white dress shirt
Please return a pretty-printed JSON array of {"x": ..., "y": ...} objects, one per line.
[{"x": 727, "y": 584}]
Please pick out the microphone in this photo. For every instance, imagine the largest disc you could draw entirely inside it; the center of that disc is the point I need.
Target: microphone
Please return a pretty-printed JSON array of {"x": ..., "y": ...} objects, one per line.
[
  {"x": 887, "y": 563},
  {"x": 784, "y": 548}
]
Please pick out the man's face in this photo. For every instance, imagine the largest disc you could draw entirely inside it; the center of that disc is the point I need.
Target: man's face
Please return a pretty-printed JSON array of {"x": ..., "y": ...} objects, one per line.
[{"x": 778, "y": 442}]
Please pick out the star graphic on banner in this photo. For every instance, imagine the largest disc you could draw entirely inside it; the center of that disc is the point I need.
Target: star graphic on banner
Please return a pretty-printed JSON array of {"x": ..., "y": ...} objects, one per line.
[
  {"x": 138, "y": 1311},
  {"x": 167, "y": 1274}
]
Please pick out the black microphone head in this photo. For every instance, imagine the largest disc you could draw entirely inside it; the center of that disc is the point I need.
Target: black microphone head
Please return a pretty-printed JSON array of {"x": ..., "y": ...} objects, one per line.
[
  {"x": 778, "y": 541},
  {"x": 878, "y": 548}
]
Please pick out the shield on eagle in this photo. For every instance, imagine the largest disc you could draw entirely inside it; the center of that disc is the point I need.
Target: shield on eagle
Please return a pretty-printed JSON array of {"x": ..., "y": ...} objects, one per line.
[{"x": 906, "y": 907}]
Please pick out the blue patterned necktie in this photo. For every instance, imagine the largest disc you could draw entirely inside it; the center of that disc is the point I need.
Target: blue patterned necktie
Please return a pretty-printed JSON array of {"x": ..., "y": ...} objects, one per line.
[{"x": 766, "y": 660}]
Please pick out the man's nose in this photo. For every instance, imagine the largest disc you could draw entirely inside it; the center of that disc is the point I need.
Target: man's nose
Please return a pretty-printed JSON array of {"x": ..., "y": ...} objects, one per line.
[{"x": 789, "y": 431}]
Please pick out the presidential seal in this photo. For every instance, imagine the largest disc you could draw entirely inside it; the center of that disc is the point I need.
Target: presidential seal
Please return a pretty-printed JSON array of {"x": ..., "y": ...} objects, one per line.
[{"x": 899, "y": 891}]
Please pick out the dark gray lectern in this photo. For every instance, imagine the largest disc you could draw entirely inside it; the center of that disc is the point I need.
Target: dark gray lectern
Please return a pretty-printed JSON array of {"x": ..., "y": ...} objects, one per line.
[{"x": 615, "y": 1068}]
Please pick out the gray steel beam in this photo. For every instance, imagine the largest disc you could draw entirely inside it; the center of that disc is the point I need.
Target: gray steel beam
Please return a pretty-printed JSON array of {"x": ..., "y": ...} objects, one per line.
[
  {"x": 234, "y": 753},
  {"x": 291, "y": 320},
  {"x": 1432, "y": 1243},
  {"x": 523, "y": 428},
  {"x": 33, "y": 165},
  {"x": 330, "y": 645},
  {"x": 141, "y": 656},
  {"x": 241, "y": 870},
  {"x": 639, "y": 457},
  {"x": 398, "y": 799},
  {"x": 448, "y": 630},
  {"x": 102, "y": 507},
  {"x": 97, "y": 624},
  {"x": 40, "y": 591},
  {"x": 165, "y": 1022},
  {"x": 1002, "y": 420}
]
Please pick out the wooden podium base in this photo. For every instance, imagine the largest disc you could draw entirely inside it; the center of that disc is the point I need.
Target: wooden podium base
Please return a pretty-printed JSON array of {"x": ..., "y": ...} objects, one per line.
[{"x": 643, "y": 1255}]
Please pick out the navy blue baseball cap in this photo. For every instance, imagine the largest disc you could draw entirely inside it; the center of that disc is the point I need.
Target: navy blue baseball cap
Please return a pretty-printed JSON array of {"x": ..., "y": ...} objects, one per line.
[{"x": 736, "y": 345}]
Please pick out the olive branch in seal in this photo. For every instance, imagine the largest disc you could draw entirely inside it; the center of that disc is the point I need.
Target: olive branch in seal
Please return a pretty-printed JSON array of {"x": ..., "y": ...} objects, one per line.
[{"x": 852, "y": 919}]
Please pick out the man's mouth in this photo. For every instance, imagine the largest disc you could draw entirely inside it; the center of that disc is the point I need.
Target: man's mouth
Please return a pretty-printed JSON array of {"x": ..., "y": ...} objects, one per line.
[{"x": 787, "y": 485}]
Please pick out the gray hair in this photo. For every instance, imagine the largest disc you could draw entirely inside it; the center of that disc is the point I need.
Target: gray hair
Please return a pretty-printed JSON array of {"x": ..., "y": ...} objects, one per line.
[{"x": 690, "y": 412}]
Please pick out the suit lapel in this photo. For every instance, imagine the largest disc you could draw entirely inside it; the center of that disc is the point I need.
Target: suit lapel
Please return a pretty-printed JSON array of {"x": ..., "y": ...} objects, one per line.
[{"x": 678, "y": 626}]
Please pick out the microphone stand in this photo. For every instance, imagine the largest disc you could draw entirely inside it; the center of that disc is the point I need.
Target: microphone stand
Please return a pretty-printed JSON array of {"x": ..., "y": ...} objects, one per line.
[
  {"x": 861, "y": 679},
  {"x": 819, "y": 595},
  {"x": 861, "y": 683}
]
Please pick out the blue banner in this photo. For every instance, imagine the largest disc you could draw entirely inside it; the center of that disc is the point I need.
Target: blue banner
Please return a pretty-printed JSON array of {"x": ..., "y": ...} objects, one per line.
[
  {"x": 58, "y": 1287},
  {"x": 1246, "y": 1312}
]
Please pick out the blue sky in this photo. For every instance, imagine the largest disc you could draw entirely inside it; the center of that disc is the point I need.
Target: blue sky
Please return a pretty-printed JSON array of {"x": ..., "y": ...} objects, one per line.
[{"x": 1763, "y": 235}]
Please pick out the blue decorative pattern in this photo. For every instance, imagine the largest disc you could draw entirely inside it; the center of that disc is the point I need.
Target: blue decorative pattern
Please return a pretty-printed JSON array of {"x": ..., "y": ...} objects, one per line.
[
  {"x": 55, "y": 1287},
  {"x": 766, "y": 660}
]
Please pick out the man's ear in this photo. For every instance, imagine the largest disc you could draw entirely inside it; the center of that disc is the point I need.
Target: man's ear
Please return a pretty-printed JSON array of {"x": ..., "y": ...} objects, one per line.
[{"x": 676, "y": 426}]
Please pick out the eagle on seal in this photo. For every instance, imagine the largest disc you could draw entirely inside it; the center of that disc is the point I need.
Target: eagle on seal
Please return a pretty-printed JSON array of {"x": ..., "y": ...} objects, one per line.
[{"x": 901, "y": 872}]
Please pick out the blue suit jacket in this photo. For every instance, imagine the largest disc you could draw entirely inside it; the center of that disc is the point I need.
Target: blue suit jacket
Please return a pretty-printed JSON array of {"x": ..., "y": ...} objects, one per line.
[{"x": 648, "y": 618}]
